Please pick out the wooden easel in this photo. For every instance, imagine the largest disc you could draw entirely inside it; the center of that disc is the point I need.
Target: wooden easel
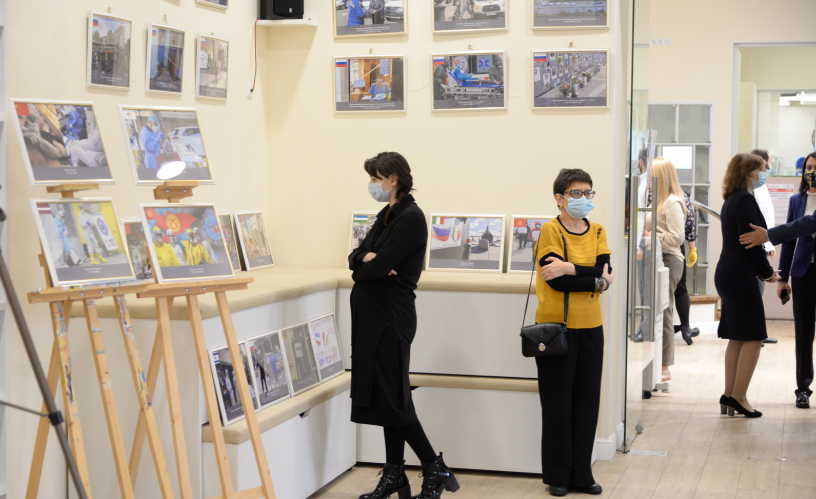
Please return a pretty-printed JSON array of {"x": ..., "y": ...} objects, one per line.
[
  {"x": 165, "y": 294},
  {"x": 60, "y": 302}
]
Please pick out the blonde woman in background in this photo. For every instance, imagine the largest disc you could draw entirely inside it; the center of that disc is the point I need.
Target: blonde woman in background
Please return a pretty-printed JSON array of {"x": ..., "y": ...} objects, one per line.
[{"x": 671, "y": 231}]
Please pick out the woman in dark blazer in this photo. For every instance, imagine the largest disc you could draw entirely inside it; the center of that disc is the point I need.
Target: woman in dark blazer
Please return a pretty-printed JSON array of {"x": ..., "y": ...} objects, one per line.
[
  {"x": 386, "y": 268},
  {"x": 796, "y": 263},
  {"x": 743, "y": 313}
]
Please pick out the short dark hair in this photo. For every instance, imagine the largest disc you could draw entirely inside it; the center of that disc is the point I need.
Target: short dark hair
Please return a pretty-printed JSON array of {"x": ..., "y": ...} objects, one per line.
[
  {"x": 567, "y": 177},
  {"x": 643, "y": 155},
  {"x": 762, "y": 153},
  {"x": 386, "y": 164},
  {"x": 803, "y": 185}
]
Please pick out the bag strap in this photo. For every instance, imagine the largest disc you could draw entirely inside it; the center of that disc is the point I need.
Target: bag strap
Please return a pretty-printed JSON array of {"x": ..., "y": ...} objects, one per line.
[{"x": 530, "y": 287}]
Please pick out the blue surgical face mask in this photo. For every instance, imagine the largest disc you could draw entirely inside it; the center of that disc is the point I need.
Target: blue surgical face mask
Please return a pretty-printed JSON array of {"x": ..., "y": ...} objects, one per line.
[
  {"x": 377, "y": 192},
  {"x": 762, "y": 177},
  {"x": 579, "y": 208}
]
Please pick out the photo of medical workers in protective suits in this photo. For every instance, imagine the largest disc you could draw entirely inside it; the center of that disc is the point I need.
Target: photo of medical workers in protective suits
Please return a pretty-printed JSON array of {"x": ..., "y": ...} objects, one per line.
[
  {"x": 213, "y": 65},
  {"x": 468, "y": 81},
  {"x": 466, "y": 243},
  {"x": 269, "y": 368},
  {"x": 82, "y": 241},
  {"x": 469, "y": 15},
  {"x": 575, "y": 14},
  {"x": 187, "y": 243},
  {"x": 254, "y": 241},
  {"x": 138, "y": 249},
  {"x": 165, "y": 59},
  {"x": 230, "y": 241},
  {"x": 327, "y": 347},
  {"x": 570, "y": 79},
  {"x": 300, "y": 358},
  {"x": 369, "y": 17},
  {"x": 61, "y": 142},
  {"x": 369, "y": 84},
  {"x": 159, "y": 136},
  {"x": 109, "y": 51},
  {"x": 226, "y": 384},
  {"x": 522, "y": 241}
]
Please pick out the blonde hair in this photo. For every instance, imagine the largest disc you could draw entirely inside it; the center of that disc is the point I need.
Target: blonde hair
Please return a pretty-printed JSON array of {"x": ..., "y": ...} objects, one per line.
[{"x": 667, "y": 180}]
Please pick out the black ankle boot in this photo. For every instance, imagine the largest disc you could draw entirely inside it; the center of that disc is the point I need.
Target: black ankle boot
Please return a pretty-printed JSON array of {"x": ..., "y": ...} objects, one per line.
[
  {"x": 393, "y": 480},
  {"x": 436, "y": 477}
]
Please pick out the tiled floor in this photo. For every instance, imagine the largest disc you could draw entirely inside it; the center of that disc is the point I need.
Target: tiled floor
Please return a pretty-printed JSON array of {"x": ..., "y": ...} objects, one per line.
[{"x": 709, "y": 456}]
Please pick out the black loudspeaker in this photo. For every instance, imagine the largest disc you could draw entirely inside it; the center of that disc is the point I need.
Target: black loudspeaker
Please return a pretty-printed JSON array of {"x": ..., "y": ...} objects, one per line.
[{"x": 281, "y": 9}]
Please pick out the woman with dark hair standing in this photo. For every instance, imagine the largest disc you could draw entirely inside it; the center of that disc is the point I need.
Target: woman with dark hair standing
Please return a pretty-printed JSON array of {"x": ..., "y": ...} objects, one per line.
[
  {"x": 743, "y": 313},
  {"x": 386, "y": 268},
  {"x": 797, "y": 263}
]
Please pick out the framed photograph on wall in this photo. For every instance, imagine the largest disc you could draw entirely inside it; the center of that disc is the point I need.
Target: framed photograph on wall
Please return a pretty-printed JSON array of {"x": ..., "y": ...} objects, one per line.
[
  {"x": 230, "y": 242},
  {"x": 226, "y": 385},
  {"x": 370, "y": 17},
  {"x": 521, "y": 241},
  {"x": 155, "y": 136},
  {"x": 213, "y": 67},
  {"x": 369, "y": 83},
  {"x": 165, "y": 59},
  {"x": 60, "y": 142},
  {"x": 571, "y": 79},
  {"x": 361, "y": 223},
  {"x": 108, "y": 51},
  {"x": 82, "y": 241},
  {"x": 137, "y": 244},
  {"x": 269, "y": 368},
  {"x": 569, "y": 15},
  {"x": 469, "y": 80},
  {"x": 254, "y": 241},
  {"x": 218, "y": 4},
  {"x": 300, "y": 358},
  {"x": 457, "y": 16},
  {"x": 326, "y": 343},
  {"x": 466, "y": 243},
  {"x": 187, "y": 242}
]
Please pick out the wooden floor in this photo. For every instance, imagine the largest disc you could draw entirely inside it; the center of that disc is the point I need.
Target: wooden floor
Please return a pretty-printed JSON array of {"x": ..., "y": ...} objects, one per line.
[{"x": 709, "y": 456}]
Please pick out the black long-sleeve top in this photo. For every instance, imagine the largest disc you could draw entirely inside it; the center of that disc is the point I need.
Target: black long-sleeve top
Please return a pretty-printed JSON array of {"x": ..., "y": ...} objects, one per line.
[{"x": 738, "y": 211}]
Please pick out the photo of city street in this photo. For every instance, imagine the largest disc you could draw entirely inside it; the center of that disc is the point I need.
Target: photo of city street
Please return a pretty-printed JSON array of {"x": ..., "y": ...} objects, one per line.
[
  {"x": 466, "y": 243},
  {"x": 109, "y": 51},
  {"x": 522, "y": 243},
  {"x": 213, "y": 60},
  {"x": 369, "y": 17},
  {"x": 470, "y": 15},
  {"x": 574, "y": 14},
  {"x": 570, "y": 79},
  {"x": 165, "y": 59}
]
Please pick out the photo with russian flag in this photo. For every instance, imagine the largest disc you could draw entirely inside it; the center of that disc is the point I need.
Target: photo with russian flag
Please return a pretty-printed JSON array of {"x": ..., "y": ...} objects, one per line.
[
  {"x": 466, "y": 243},
  {"x": 186, "y": 242},
  {"x": 369, "y": 83},
  {"x": 521, "y": 244},
  {"x": 109, "y": 51},
  {"x": 165, "y": 59},
  {"x": 570, "y": 79},
  {"x": 471, "y": 80},
  {"x": 327, "y": 347}
]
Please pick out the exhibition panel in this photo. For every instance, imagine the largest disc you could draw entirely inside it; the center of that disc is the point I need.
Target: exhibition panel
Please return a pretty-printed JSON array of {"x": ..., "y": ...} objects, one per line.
[
  {"x": 369, "y": 18},
  {"x": 521, "y": 246},
  {"x": 470, "y": 16},
  {"x": 230, "y": 241},
  {"x": 165, "y": 59},
  {"x": 570, "y": 15},
  {"x": 369, "y": 83},
  {"x": 109, "y": 53},
  {"x": 212, "y": 67},
  {"x": 465, "y": 243},
  {"x": 568, "y": 79},
  {"x": 469, "y": 80},
  {"x": 254, "y": 242},
  {"x": 361, "y": 223}
]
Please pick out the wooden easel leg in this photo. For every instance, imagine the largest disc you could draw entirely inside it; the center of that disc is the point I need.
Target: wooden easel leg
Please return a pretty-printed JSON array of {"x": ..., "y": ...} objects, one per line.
[
  {"x": 171, "y": 378},
  {"x": 43, "y": 428},
  {"x": 145, "y": 403},
  {"x": 112, "y": 416},
  {"x": 152, "y": 379},
  {"x": 246, "y": 399},
  {"x": 209, "y": 395}
]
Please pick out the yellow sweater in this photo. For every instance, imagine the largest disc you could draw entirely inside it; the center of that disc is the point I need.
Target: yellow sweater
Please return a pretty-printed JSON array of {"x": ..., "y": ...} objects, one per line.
[{"x": 582, "y": 249}]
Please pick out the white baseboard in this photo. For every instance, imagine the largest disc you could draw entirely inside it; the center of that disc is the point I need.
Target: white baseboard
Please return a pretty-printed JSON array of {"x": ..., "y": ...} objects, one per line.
[{"x": 605, "y": 448}]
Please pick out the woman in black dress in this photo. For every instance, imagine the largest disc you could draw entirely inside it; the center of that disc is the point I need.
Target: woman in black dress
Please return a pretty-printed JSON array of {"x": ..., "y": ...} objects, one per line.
[
  {"x": 743, "y": 313},
  {"x": 386, "y": 268}
]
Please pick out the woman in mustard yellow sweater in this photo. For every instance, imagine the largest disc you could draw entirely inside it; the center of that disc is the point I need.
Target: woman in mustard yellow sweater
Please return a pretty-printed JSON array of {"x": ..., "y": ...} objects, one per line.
[{"x": 570, "y": 385}]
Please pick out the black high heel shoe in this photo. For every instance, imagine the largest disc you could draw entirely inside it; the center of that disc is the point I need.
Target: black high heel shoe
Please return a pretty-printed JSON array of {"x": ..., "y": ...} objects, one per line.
[
  {"x": 733, "y": 405},
  {"x": 723, "y": 404}
]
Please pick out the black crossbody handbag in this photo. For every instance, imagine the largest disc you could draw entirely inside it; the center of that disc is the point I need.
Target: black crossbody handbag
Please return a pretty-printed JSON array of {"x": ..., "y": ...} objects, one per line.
[{"x": 549, "y": 338}]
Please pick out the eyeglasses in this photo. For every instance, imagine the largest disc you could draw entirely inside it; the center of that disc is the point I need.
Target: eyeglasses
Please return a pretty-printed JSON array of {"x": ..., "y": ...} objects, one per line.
[{"x": 577, "y": 193}]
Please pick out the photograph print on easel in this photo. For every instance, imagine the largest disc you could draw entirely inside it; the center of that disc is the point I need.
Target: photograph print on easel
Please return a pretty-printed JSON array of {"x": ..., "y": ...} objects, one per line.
[
  {"x": 269, "y": 368},
  {"x": 82, "y": 241},
  {"x": 108, "y": 62},
  {"x": 60, "y": 142},
  {"x": 369, "y": 17},
  {"x": 213, "y": 67},
  {"x": 165, "y": 59},
  {"x": 230, "y": 242},
  {"x": 300, "y": 358},
  {"x": 254, "y": 241},
  {"x": 137, "y": 244},
  {"x": 326, "y": 344}
]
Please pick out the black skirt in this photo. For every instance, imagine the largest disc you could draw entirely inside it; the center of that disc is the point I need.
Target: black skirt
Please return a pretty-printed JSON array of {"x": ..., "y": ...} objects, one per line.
[{"x": 743, "y": 313}]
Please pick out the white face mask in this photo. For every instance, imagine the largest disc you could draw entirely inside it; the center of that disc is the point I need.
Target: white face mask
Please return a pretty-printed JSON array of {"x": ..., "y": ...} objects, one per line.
[{"x": 377, "y": 191}]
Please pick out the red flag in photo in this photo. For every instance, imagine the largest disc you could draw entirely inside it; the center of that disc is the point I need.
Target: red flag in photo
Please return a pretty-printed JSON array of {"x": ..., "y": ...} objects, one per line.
[
  {"x": 22, "y": 109},
  {"x": 521, "y": 222}
]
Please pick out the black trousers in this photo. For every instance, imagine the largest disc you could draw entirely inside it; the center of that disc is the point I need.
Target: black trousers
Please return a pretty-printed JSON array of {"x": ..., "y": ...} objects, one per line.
[
  {"x": 804, "y": 315},
  {"x": 570, "y": 391},
  {"x": 682, "y": 302}
]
